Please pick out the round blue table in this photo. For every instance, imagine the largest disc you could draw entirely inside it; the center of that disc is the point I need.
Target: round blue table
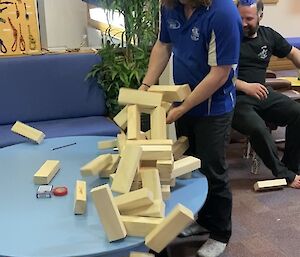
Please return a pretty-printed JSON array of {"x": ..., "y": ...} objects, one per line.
[{"x": 47, "y": 227}]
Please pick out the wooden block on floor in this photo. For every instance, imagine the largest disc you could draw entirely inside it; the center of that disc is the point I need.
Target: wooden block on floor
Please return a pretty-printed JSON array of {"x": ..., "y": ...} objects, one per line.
[
  {"x": 94, "y": 167},
  {"x": 139, "y": 97},
  {"x": 80, "y": 197},
  {"x": 158, "y": 123},
  {"x": 111, "y": 168},
  {"x": 180, "y": 147},
  {"x": 107, "y": 144},
  {"x": 150, "y": 180},
  {"x": 134, "y": 199},
  {"x": 46, "y": 172},
  {"x": 109, "y": 216},
  {"x": 126, "y": 169},
  {"x": 140, "y": 226},
  {"x": 156, "y": 152},
  {"x": 270, "y": 184},
  {"x": 172, "y": 93},
  {"x": 179, "y": 218},
  {"x": 155, "y": 210},
  {"x": 28, "y": 132},
  {"x": 140, "y": 254},
  {"x": 166, "y": 192},
  {"x": 185, "y": 165},
  {"x": 133, "y": 122},
  {"x": 121, "y": 118}
]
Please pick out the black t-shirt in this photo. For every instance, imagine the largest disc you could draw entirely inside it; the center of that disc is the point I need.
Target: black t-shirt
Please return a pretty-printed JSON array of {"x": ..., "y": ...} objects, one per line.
[{"x": 256, "y": 52}]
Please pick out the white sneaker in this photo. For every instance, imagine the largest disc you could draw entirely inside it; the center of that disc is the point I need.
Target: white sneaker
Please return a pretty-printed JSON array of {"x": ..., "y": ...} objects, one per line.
[{"x": 211, "y": 248}]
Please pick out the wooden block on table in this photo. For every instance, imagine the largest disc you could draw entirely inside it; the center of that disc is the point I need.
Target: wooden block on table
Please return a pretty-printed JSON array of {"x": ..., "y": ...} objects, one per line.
[
  {"x": 121, "y": 118},
  {"x": 94, "y": 167},
  {"x": 80, "y": 197},
  {"x": 172, "y": 93},
  {"x": 180, "y": 147},
  {"x": 46, "y": 172},
  {"x": 126, "y": 169},
  {"x": 140, "y": 226},
  {"x": 140, "y": 254},
  {"x": 150, "y": 180},
  {"x": 166, "y": 192},
  {"x": 156, "y": 152},
  {"x": 108, "y": 212},
  {"x": 185, "y": 165},
  {"x": 158, "y": 123},
  {"x": 179, "y": 218},
  {"x": 270, "y": 184},
  {"x": 111, "y": 168},
  {"x": 155, "y": 210},
  {"x": 28, "y": 132},
  {"x": 134, "y": 199},
  {"x": 133, "y": 122},
  {"x": 139, "y": 97},
  {"x": 107, "y": 144}
]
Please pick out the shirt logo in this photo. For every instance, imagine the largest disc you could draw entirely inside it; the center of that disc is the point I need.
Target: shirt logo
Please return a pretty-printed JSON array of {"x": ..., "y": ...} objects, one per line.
[
  {"x": 195, "y": 34},
  {"x": 173, "y": 24},
  {"x": 263, "y": 53}
]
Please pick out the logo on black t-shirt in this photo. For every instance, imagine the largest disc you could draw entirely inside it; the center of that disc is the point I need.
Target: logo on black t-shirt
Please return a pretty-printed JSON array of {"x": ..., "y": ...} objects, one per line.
[{"x": 263, "y": 53}]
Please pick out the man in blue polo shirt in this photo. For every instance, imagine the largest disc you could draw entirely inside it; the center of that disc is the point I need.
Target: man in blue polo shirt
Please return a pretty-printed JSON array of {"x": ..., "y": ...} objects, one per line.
[{"x": 204, "y": 38}]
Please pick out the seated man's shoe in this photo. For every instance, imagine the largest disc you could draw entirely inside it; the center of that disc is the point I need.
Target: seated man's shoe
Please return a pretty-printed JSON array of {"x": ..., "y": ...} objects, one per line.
[
  {"x": 193, "y": 230},
  {"x": 211, "y": 248}
]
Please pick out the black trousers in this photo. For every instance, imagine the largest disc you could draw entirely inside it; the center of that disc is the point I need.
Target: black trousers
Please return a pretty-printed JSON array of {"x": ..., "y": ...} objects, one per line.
[
  {"x": 208, "y": 137},
  {"x": 249, "y": 119}
]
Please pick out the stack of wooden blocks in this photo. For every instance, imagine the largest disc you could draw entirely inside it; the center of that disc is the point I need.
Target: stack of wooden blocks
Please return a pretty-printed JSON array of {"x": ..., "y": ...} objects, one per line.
[{"x": 144, "y": 170}]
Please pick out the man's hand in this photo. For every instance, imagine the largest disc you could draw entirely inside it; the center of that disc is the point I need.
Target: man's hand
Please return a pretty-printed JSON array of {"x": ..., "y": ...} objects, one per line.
[
  {"x": 256, "y": 90},
  {"x": 175, "y": 113},
  {"x": 143, "y": 87}
]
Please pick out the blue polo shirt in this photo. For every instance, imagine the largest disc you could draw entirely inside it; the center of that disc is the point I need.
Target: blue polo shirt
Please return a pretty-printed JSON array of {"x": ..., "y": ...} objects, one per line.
[{"x": 211, "y": 37}]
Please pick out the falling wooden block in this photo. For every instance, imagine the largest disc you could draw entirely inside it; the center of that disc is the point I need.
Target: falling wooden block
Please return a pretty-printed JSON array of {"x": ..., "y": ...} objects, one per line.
[
  {"x": 46, "y": 172},
  {"x": 139, "y": 97},
  {"x": 28, "y": 132},
  {"x": 270, "y": 184},
  {"x": 180, "y": 147},
  {"x": 140, "y": 254},
  {"x": 121, "y": 118},
  {"x": 80, "y": 197},
  {"x": 179, "y": 218},
  {"x": 133, "y": 122},
  {"x": 108, "y": 212},
  {"x": 156, "y": 152},
  {"x": 140, "y": 226},
  {"x": 150, "y": 180},
  {"x": 172, "y": 93},
  {"x": 158, "y": 123},
  {"x": 126, "y": 169},
  {"x": 107, "y": 144},
  {"x": 94, "y": 167},
  {"x": 155, "y": 210},
  {"x": 166, "y": 192},
  {"x": 111, "y": 168},
  {"x": 185, "y": 165},
  {"x": 135, "y": 199}
]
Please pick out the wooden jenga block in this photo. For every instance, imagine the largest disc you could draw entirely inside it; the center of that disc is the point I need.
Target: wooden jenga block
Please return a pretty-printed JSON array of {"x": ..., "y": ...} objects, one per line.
[
  {"x": 166, "y": 105},
  {"x": 139, "y": 97},
  {"x": 111, "y": 168},
  {"x": 179, "y": 147},
  {"x": 140, "y": 254},
  {"x": 121, "y": 142},
  {"x": 127, "y": 169},
  {"x": 46, "y": 172},
  {"x": 155, "y": 210},
  {"x": 140, "y": 226},
  {"x": 133, "y": 122},
  {"x": 28, "y": 132},
  {"x": 80, "y": 197},
  {"x": 108, "y": 212},
  {"x": 172, "y": 93},
  {"x": 135, "y": 199},
  {"x": 150, "y": 180},
  {"x": 150, "y": 142},
  {"x": 158, "y": 123},
  {"x": 166, "y": 192},
  {"x": 94, "y": 167},
  {"x": 121, "y": 118},
  {"x": 165, "y": 168},
  {"x": 179, "y": 218},
  {"x": 107, "y": 144},
  {"x": 171, "y": 182},
  {"x": 156, "y": 152},
  {"x": 270, "y": 184},
  {"x": 147, "y": 163},
  {"x": 185, "y": 165}
]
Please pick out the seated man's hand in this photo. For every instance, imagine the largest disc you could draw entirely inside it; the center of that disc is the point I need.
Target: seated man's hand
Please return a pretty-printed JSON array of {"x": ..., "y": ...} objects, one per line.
[{"x": 256, "y": 90}]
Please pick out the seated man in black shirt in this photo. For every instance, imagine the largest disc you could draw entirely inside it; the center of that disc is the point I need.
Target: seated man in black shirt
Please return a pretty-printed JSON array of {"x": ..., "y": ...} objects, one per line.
[{"x": 257, "y": 104}]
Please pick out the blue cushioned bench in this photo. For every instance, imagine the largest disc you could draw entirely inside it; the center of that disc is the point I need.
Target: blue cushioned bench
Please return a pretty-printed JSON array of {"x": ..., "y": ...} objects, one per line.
[
  {"x": 50, "y": 93},
  {"x": 294, "y": 41}
]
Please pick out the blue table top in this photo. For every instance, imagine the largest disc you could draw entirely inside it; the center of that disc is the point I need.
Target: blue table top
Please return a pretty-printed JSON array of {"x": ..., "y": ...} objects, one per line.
[{"x": 47, "y": 227}]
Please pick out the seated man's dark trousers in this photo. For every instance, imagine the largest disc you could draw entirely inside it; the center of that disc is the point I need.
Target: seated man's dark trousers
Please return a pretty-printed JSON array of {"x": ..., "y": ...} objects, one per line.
[{"x": 249, "y": 119}]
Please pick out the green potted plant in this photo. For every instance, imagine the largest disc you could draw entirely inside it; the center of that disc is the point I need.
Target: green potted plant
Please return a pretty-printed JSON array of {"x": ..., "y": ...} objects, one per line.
[{"x": 124, "y": 63}]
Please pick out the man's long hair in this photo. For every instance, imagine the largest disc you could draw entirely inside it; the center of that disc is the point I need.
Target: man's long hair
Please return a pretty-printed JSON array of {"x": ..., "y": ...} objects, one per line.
[{"x": 195, "y": 3}]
